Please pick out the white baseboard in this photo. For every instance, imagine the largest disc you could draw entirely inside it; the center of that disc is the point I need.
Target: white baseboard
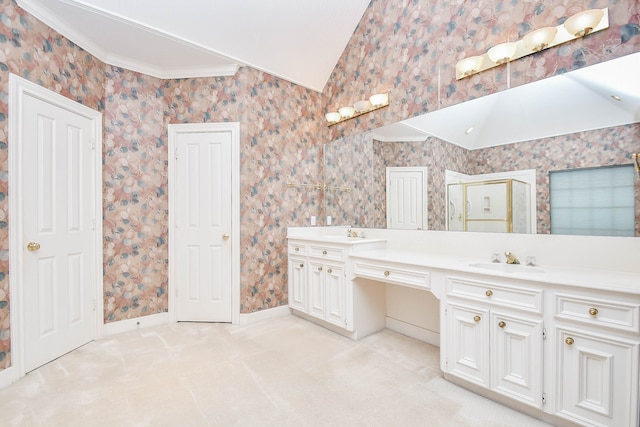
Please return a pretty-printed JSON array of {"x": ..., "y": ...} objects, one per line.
[
  {"x": 258, "y": 316},
  {"x": 138, "y": 322},
  {"x": 413, "y": 331},
  {"x": 8, "y": 376}
]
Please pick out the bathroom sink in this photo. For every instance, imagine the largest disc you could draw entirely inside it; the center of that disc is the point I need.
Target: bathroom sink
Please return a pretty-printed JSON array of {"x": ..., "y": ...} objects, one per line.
[
  {"x": 506, "y": 268},
  {"x": 346, "y": 239}
]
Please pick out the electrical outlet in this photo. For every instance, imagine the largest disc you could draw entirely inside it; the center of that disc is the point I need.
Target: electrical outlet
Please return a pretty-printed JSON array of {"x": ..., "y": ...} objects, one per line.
[
  {"x": 313, "y": 220},
  {"x": 328, "y": 219}
]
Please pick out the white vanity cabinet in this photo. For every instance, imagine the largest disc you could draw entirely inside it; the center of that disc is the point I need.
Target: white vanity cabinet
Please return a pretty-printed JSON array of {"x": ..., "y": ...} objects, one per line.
[
  {"x": 596, "y": 346},
  {"x": 319, "y": 287},
  {"x": 494, "y": 337}
]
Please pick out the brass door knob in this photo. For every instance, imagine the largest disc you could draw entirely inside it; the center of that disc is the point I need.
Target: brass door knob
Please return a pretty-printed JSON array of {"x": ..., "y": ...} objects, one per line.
[
  {"x": 225, "y": 236},
  {"x": 569, "y": 341},
  {"x": 33, "y": 246},
  {"x": 476, "y": 318},
  {"x": 502, "y": 324},
  {"x": 324, "y": 252},
  {"x": 593, "y": 311},
  {"x": 489, "y": 293}
]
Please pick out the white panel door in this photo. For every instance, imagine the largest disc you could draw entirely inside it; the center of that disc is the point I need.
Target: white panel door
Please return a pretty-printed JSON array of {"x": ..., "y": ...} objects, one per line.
[
  {"x": 297, "y": 283},
  {"x": 58, "y": 229},
  {"x": 406, "y": 198},
  {"x": 317, "y": 301},
  {"x": 202, "y": 252},
  {"x": 595, "y": 379},
  {"x": 336, "y": 295},
  {"x": 468, "y": 343},
  {"x": 517, "y": 359}
]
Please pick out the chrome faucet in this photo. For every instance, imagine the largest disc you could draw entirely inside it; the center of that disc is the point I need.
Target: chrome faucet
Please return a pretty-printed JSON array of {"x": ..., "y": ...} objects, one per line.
[{"x": 511, "y": 258}]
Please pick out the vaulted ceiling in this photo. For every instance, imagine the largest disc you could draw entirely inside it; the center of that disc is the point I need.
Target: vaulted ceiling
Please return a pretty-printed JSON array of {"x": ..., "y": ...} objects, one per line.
[{"x": 298, "y": 40}]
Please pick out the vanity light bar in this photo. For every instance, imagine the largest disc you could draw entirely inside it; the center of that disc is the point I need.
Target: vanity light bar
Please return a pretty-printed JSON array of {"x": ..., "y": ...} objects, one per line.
[
  {"x": 575, "y": 27},
  {"x": 375, "y": 102}
]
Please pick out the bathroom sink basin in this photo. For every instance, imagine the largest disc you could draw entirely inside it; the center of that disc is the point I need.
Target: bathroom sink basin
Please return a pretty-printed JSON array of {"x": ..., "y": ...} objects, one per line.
[{"x": 506, "y": 268}]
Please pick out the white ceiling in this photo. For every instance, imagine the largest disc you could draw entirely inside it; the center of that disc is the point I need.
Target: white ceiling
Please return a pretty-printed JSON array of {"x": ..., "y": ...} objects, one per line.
[
  {"x": 298, "y": 40},
  {"x": 572, "y": 102}
]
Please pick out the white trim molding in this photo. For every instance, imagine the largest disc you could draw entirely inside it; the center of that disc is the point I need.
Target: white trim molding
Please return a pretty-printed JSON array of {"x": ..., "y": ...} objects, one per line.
[
  {"x": 128, "y": 325},
  {"x": 259, "y": 316}
]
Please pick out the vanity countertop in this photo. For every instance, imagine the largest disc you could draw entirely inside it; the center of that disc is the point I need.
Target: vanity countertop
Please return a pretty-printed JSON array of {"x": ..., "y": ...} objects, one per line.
[{"x": 593, "y": 279}]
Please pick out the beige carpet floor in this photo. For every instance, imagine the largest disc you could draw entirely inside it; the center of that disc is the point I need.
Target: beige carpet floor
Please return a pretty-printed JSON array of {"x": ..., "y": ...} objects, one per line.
[{"x": 281, "y": 372}]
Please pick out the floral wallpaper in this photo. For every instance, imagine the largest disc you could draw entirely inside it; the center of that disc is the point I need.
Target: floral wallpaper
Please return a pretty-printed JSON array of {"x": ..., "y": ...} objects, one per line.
[
  {"x": 349, "y": 196},
  {"x": 135, "y": 198}
]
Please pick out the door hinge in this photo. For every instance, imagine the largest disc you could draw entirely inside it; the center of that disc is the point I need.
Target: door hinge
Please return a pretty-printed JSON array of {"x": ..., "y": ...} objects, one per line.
[
  {"x": 93, "y": 224},
  {"x": 93, "y": 144},
  {"x": 95, "y": 305},
  {"x": 544, "y": 333},
  {"x": 176, "y": 153},
  {"x": 544, "y": 397}
]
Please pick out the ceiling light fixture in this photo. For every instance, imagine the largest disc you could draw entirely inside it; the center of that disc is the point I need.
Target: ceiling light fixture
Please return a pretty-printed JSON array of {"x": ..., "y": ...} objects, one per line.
[
  {"x": 375, "y": 102},
  {"x": 576, "y": 26}
]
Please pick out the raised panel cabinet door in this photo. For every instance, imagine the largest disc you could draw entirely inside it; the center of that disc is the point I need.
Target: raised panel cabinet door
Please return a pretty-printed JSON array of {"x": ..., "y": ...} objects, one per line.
[
  {"x": 517, "y": 358},
  {"x": 336, "y": 295},
  {"x": 297, "y": 284},
  {"x": 317, "y": 289},
  {"x": 598, "y": 379},
  {"x": 468, "y": 343}
]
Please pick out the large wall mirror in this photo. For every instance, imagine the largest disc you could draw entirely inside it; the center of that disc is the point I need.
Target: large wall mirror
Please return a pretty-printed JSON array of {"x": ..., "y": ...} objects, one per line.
[{"x": 584, "y": 119}]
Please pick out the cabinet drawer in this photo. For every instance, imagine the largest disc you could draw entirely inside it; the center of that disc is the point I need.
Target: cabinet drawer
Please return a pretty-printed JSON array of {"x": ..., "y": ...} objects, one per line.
[
  {"x": 327, "y": 252},
  {"x": 597, "y": 311},
  {"x": 393, "y": 274},
  {"x": 297, "y": 248},
  {"x": 517, "y": 297}
]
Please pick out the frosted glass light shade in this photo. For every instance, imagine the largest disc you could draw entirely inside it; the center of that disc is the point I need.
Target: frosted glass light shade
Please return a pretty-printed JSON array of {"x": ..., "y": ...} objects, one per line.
[
  {"x": 584, "y": 22},
  {"x": 470, "y": 65},
  {"x": 379, "y": 99},
  {"x": 362, "y": 106},
  {"x": 346, "y": 112},
  {"x": 502, "y": 53},
  {"x": 332, "y": 117},
  {"x": 539, "y": 39}
]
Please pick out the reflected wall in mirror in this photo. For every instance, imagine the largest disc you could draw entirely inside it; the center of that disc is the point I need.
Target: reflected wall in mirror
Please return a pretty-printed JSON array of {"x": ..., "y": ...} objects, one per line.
[{"x": 545, "y": 140}]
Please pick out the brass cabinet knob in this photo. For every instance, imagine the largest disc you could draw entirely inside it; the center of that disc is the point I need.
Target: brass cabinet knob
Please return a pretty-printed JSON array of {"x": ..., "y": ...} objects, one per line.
[
  {"x": 329, "y": 271},
  {"x": 301, "y": 265},
  {"x": 324, "y": 252},
  {"x": 296, "y": 249},
  {"x": 33, "y": 246},
  {"x": 593, "y": 311},
  {"x": 319, "y": 268},
  {"x": 489, "y": 293},
  {"x": 225, "y": 236},
  {"x": 569, "y": 341},
  {"x": 502, "y": 324},
  {"x": 387, "y": 274},
  {"x": 476, "y": 318}
]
